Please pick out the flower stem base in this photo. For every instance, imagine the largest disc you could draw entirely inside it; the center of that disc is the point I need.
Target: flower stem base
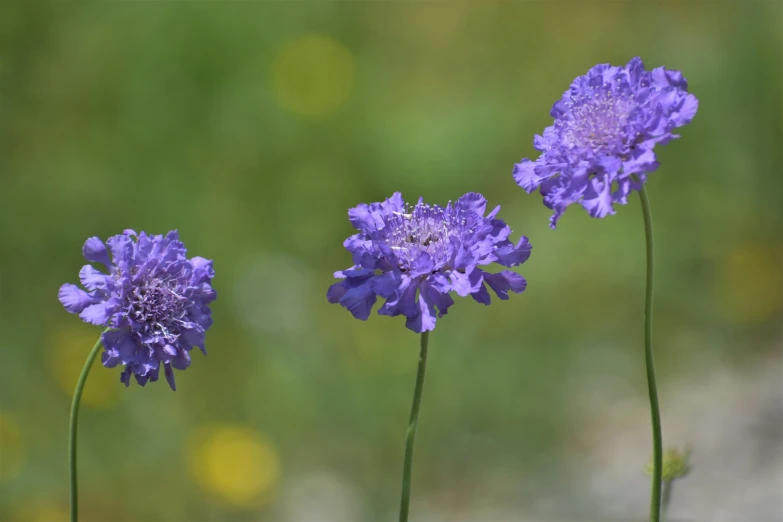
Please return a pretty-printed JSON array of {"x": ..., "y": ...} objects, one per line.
[
  {"x": 410, "y": 435},
  {"x": 72, "y": 443}
]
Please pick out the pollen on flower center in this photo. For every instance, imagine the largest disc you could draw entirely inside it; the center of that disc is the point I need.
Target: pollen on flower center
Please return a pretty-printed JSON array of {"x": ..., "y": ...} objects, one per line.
[
  {"x": 423, "y": 229},
  {"x": 598, "y": 118},
  {"x": 158, "y": 307}
]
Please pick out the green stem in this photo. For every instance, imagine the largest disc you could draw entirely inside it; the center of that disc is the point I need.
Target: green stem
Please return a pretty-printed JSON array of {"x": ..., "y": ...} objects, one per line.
[
  {"x": 77, "y": 398},
  {"x": 666, "y": 497},
  {"x": 411, "y": 433},
  {"x": 655, "y": 500}
]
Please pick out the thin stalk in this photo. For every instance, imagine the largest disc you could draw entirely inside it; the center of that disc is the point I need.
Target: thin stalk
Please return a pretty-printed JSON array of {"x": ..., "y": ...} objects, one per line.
[
  {"x": 411, "y": 433},
  {"x": 666, "y": 498},
  {"x": 655, "y": 500},
  {"x": 77, "y": 398}
]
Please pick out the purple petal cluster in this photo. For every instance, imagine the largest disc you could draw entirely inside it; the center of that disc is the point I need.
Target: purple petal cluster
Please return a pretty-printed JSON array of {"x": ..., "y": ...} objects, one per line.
[
  {"x": 153, "y": 298},
  {"x": 414, "y": 256},
  {"x": 600, "y": 146}
]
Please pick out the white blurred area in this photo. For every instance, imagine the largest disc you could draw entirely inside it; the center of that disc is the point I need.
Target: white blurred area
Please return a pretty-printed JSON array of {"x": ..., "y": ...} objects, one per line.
[
  {"x": 732, "y": 421},
  {"x": 321, "y": 496}
]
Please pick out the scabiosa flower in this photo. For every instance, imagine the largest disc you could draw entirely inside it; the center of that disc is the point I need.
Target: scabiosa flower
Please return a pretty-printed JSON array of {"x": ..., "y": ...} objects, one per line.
[
  {"x": 600, "y": 146},
  {"x": 154, "y": 300},
  {"x": 413, "y": 256}
]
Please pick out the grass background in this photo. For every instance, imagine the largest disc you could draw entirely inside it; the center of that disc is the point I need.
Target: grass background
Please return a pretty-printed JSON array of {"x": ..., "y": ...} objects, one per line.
[{"x": 252, "y": 127}]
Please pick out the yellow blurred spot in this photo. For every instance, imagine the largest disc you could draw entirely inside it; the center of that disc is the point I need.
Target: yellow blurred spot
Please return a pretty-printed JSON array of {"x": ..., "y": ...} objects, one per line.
[
  {"x": 751, "y": 283},
  {"x": 67, "y": 349},
  {"x": 12, "y": 453},
  {"x": 236, "y": 463},
  {"x": 314, "y": 75},
  {"x": 43, "y": 511}
]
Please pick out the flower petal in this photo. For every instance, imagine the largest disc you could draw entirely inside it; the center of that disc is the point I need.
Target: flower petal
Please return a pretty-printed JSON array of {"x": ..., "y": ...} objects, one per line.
[
  {"x": 121, "y": 247},
  {"x": 642, "y": 160},
  {"x": 182, "y": 360},
  {"x": 465, "y": 259},
  {"x": 666, "y": 77},
  {"x": 73, "y": 298},
  {"x": 465, "y": 283},
  {"x": 473, "y": 202},
  {"x": 504, "y": 281},
  {"x": 92, "y": 279},
  {"x": 403, "y": 302},
  {"x": 193, "y": 335},
  {"x": 688, "y": 110},
  {"x": 169, "y": 376},
  {"x": 598, "y": 198},
  {"x": 119, "y": 348},
  {"x": 110, "y": 359},
  {"x": 386, "y": 284},
  {"x": 441, "y": 300},
  {"x": 125, "y": 376},
  {"x": 353, "y": 278},
  {"x": 95, "y": 251},
  {"x": 421, "y": 265},
  {"x": 97, "y": 314},
  {"x": 513, "y": 255},
  {"x": 359, "y": 301},
  {"x": 146, "y": 372},
  {"x": 202, "y": 270},
  {"x": 525, "y": 175},
  {"x": 482, "y": 295},
  {"x": 365, "y": 218},
  {"x": 424, "y": 320}
]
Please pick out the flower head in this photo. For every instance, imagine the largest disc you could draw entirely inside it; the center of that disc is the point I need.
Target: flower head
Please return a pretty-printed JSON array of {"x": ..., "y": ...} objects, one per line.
[
  {"x": 600, "y": 146},
  {"x": 413, "y": 256},
  {"x": 154, "y": 300}
]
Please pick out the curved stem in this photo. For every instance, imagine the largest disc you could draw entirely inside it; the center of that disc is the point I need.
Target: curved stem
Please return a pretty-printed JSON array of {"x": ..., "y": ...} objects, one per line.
[
  {"x": 655, "y": 500},
  {"x": 77, "y": 398},
  {"x": 411, "y": 433}
]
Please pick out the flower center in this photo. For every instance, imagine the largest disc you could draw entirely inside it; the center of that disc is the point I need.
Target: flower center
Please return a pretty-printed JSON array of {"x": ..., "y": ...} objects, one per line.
[
  {"x": 158, "y": 307},
  {"x": 598, "y": 119},
  {"x": 423, "y": 228}
]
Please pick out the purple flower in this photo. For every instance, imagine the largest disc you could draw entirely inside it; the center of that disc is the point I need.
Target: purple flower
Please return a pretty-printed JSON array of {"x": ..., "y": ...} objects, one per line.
[
  {"x": 600, "y": 146},
  {"x": 154, "y": 300},
  {"x": 414, "y": 256}
]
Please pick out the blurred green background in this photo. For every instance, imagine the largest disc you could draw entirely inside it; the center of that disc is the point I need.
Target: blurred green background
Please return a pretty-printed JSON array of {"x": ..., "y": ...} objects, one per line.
[{"x": 252, "y": 127}]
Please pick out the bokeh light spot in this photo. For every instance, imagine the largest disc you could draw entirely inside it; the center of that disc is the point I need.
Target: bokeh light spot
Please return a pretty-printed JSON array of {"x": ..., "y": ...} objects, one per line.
[
  {"x": 750, "y": 284},
  {"x": 235, "y": 463},
  {"x": 43, "y": 511},
  {"x": 68, "y": 349},
  {"x": 314, "y": 75},
  {"x": 12, "y": 454}
]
